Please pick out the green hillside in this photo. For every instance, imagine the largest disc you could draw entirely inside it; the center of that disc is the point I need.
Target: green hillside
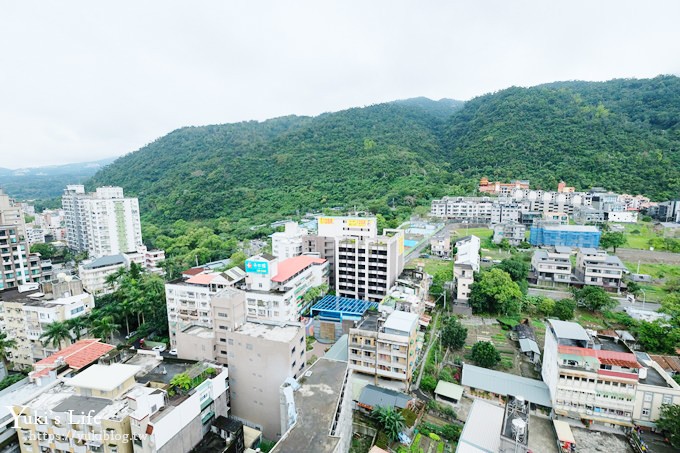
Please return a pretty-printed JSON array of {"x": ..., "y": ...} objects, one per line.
[{"x": 622, "y": 134}]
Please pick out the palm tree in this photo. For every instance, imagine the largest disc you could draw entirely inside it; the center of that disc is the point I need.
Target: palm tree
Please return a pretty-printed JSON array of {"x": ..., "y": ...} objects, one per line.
[
  {"x": 5, "y": 344},
  {"x": 391, "y": 420},
  {"x": 55, "y": 333},
  {"x": 78, "y": 325},
  {"x": 105, "y": 327}
]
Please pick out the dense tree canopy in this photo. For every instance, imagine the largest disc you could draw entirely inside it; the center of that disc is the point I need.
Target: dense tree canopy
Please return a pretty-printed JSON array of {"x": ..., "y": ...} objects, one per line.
[
  {"x": 494, "y": 292},
  {"x": 485, "y": 354}
]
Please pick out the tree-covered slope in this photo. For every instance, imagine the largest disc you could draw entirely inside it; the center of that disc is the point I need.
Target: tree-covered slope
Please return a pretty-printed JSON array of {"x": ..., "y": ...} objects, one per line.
[
  {"x": 387, "y": 153},
  {"x": 623, "y": 135}
]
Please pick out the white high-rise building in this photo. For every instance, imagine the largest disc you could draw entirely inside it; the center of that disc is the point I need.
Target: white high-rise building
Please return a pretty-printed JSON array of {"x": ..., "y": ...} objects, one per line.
[
  {"x": 287, "y": 244},
  {"x": 102, "y": 223}
]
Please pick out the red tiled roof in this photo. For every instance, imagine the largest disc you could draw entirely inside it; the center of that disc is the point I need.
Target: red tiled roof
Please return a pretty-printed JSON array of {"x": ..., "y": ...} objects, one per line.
[
  {"x": 667, "y": 362},
  {"x": 202, "y": 279},
  {"x": 76, "y": 356},
  {"x": 291, "y": 266},
  {"x": 624, "y": 359},
  {"x": 193, "y": 271},
  {"x": 618, "y": 374}
]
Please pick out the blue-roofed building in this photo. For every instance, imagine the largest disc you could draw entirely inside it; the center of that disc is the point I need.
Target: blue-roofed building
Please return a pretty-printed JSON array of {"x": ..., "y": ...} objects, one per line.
[
  {"x": 334, "y": 315},
  {"x": 565, "y": 235}
]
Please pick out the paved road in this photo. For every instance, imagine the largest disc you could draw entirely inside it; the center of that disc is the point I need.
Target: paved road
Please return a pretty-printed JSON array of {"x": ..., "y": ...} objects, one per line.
[{"x": 623, "y": 302}]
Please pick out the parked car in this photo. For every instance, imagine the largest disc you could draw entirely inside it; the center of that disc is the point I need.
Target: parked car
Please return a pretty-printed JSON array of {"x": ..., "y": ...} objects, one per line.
[
  {"x": 131, "y": 334},
  {"x": 172, "y": 352},
  {"x": 159, "y": 348}
]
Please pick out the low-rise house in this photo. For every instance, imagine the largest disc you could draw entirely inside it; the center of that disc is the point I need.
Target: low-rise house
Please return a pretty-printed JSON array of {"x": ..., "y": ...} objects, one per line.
[
  {"x": 440, "y": 247},
  {"x": 527, "y": 341},
  {"x": 373, "y": 396},
  {"x": 597, "y": 268},
  {"x": 552, "y": 267},
  {"x": 514, "y": 232},
  {"x": 465, "y": 266},
  {"x": 448, "y": 392},
  {"x": 567, "y": 235},
  {"x": 655, "y": 388},
  {"x": 385, "y": 347}
]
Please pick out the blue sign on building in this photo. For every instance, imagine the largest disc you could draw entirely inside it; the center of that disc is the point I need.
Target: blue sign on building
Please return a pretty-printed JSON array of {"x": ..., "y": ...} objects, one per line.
[{"x": 257, "y": 267}]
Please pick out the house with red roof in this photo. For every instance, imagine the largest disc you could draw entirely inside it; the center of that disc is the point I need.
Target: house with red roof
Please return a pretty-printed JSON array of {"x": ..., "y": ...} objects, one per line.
[{"x": 74, "y": 357}]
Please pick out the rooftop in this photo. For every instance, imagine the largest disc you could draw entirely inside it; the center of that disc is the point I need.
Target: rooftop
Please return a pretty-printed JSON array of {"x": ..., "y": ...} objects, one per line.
[
  {"x": 316, "y": 402},
  {"x": 506, "y": 384},
  {"x": 105, "y": 261},
  {"x": 104, "y": 377},
  {"x": 667, "y": 362},
  {"x": 202, "y": 279},
  {"x": 339, "y": 350},
  {"x": 569, "y": 330},
  {"x": 482, "y": 429},
  {"x": 573, "y": 228},
  {"x": 449, "y": 390},
  {"x": 606, "y": 357},
  {"x": 76, "y": 356},
  {"x": 653, "y": 376},
  {"x": 370, "y": 322},
  {"x": 401, "y": 321},
  {"x": 374, "y": 396},
  {"x": 82, "y": 405},
  {"x": 199, "y": 331},
  {"x": 273, "y": 332},
  {"x": 290, "y": 267},
  {"x": 341, "y": 307},
  {"x": 562, "y": 249}
]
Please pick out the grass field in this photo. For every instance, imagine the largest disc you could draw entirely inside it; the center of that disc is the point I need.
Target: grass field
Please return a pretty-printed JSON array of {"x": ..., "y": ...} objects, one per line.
[
  {"x": 431, "y": 265},
  {"x": 639, "y": 234},
  {"x": 655, "y": 270},
  {"x": 481, "y": 233}
]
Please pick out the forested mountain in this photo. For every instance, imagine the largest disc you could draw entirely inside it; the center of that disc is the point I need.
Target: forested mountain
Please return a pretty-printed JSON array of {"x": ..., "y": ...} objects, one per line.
[
  {"x": 623, "y": 135},
  {"x": 47, "y": 182}
]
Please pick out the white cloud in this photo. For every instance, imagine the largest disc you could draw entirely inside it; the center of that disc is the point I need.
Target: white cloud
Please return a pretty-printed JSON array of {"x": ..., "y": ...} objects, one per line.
[{"x": 83, "y": 80}]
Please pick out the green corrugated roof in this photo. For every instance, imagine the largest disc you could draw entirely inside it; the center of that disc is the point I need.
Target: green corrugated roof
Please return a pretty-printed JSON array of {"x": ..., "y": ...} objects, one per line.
[{"x": 449, "y": 390}]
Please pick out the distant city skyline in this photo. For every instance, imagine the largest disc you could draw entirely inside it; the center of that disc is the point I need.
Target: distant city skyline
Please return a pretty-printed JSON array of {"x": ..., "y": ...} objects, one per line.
[{"x": 81, "y": 83}]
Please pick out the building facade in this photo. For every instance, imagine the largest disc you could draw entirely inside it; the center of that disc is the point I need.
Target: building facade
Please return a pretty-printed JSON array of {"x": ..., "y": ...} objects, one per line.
[
  {"x": 465, "y": 266},
  {"x": 565, "y": 235},
  {"x": 513, "y": 231},
  {"x": 288, "y": 243},
  {"x": 385, "y": 347},
  {"x": 598, "y": 268},
  {"x": 552, "y": 267},
  {"x": 102, "y": 223}
]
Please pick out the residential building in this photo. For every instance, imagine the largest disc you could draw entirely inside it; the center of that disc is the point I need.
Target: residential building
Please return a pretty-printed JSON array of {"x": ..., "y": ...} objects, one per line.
[
  {"x": 385, "y": 347},
  {"x": 465, "y": 265},
  {"x": 588, "y": 214},
  {"x": 481, "y": 432},
  {"x": 589, "y": 380},
  {"x": 347, "y": 226},
  {"x": 655, "y": 388},
  {"x": 189, "y": 300},
  {"x": 634, "y": 202},
  {"x": 323, "y": 247},
  {"x": 93, "y": 273},
  {"x": 261, "y": 356},
  {"x": 29, "y": 309},
  {"x": 226, "y": 435},
  {"x": 367, "y": 267},
  {"x": 288, "y": 243},
  {"x": 440, "y": 246},
  {"x": 596, "y": 267},
  {"x": 567, "y": 235},
  {"x": 552, "y": 267},
  {"x": 409, "y": 293},
  {"x": 372, "y": 396},
  {"x": 504, "y": 211},
  {"x": 19, "y": 266},
  {"x": 622, "y": 216},
  {"x": 563, "y": 188},
  {"x": 102, "y": 223},
  {"x": 470, "y": 209},
  {"x": 125, "y": 407},
  {"x": 316, "y": 412},
  {"x": 513, "y": 231},
  {"x": 35, "y": 235},
  {"x": 502, "y": 189},
  {"x": 526, "y": 337},
  {"x": 275, "y": 289}
]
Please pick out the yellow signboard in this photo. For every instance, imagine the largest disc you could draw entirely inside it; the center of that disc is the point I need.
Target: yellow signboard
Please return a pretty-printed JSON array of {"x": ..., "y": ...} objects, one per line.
[
  {"x": 401, "y": 244},
  {"x": 326, "y": 220},
  {"x": 357, "y": 223}
]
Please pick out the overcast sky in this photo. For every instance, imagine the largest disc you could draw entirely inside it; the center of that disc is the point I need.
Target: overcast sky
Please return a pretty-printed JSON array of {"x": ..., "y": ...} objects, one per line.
[{"x": 84, "y": 80}]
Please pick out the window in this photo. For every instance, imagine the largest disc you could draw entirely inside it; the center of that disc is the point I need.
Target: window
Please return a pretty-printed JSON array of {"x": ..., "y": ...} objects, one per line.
[
  {"x": 667, "y": 399},
  {"x": 648, "y": 397},
  {"x": 645, "y": 412}
]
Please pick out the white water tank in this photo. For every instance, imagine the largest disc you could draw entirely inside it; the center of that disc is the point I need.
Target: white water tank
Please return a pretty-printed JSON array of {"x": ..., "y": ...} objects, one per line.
[
  {"x": 642, "y": 374},
  {"x": 519, "y": 426}
]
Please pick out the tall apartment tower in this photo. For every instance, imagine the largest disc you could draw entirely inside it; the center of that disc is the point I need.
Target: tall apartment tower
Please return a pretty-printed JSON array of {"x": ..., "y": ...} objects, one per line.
[
  {"x": 363, "y": 263},
  {"x": 19, "y": 266},
  {"x": 74, "y": 217},
  {"x": 102, "y": 223}
]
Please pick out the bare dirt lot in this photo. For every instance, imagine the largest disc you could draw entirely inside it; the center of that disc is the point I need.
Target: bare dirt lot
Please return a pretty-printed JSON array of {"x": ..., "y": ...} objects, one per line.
[{"x": 648, "y": 256}]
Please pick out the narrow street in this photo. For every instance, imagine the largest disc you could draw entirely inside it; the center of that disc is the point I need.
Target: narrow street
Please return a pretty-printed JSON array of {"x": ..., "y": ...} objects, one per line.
[{"x": 433, "y": 337}]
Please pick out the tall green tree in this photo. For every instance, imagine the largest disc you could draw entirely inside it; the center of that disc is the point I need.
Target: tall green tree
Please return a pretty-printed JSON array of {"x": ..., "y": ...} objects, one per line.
[
  {"x": 5, "y": 344},
  {"x": 495, "y": 292},
  {"x": 454, "y": 334},
  {"x": 612, "y": 240},
  {"x": 77, "y": 326},
  {"x": 564, "y": 309},
  {"x": 485, "y": 354},
  {"x": 594, "y": 298},
  {"x": 56, "y": 333},
  {"x": 669, "y": 422},
  {"x": 104, "y": 328}
]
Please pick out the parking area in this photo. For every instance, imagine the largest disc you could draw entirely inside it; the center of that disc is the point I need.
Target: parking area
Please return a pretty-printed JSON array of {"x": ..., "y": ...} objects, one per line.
[
  {"x": 541, "y": 435},
  {"x": 597, "y": 441}
]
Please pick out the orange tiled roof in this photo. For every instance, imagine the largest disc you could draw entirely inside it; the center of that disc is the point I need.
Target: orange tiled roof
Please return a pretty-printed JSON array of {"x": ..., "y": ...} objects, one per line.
[
  {"x": 79, "y": 354},
  {"x": 625, "y": 359},
  {"x": 202, "y": 279},
  {"x": 193, "y": 271},
  {"x": 291, "y": 266}
]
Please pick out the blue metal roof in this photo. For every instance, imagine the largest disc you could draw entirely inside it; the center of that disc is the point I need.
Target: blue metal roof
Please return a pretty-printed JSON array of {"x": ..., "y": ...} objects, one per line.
[{"x": 341, "y": 307}]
